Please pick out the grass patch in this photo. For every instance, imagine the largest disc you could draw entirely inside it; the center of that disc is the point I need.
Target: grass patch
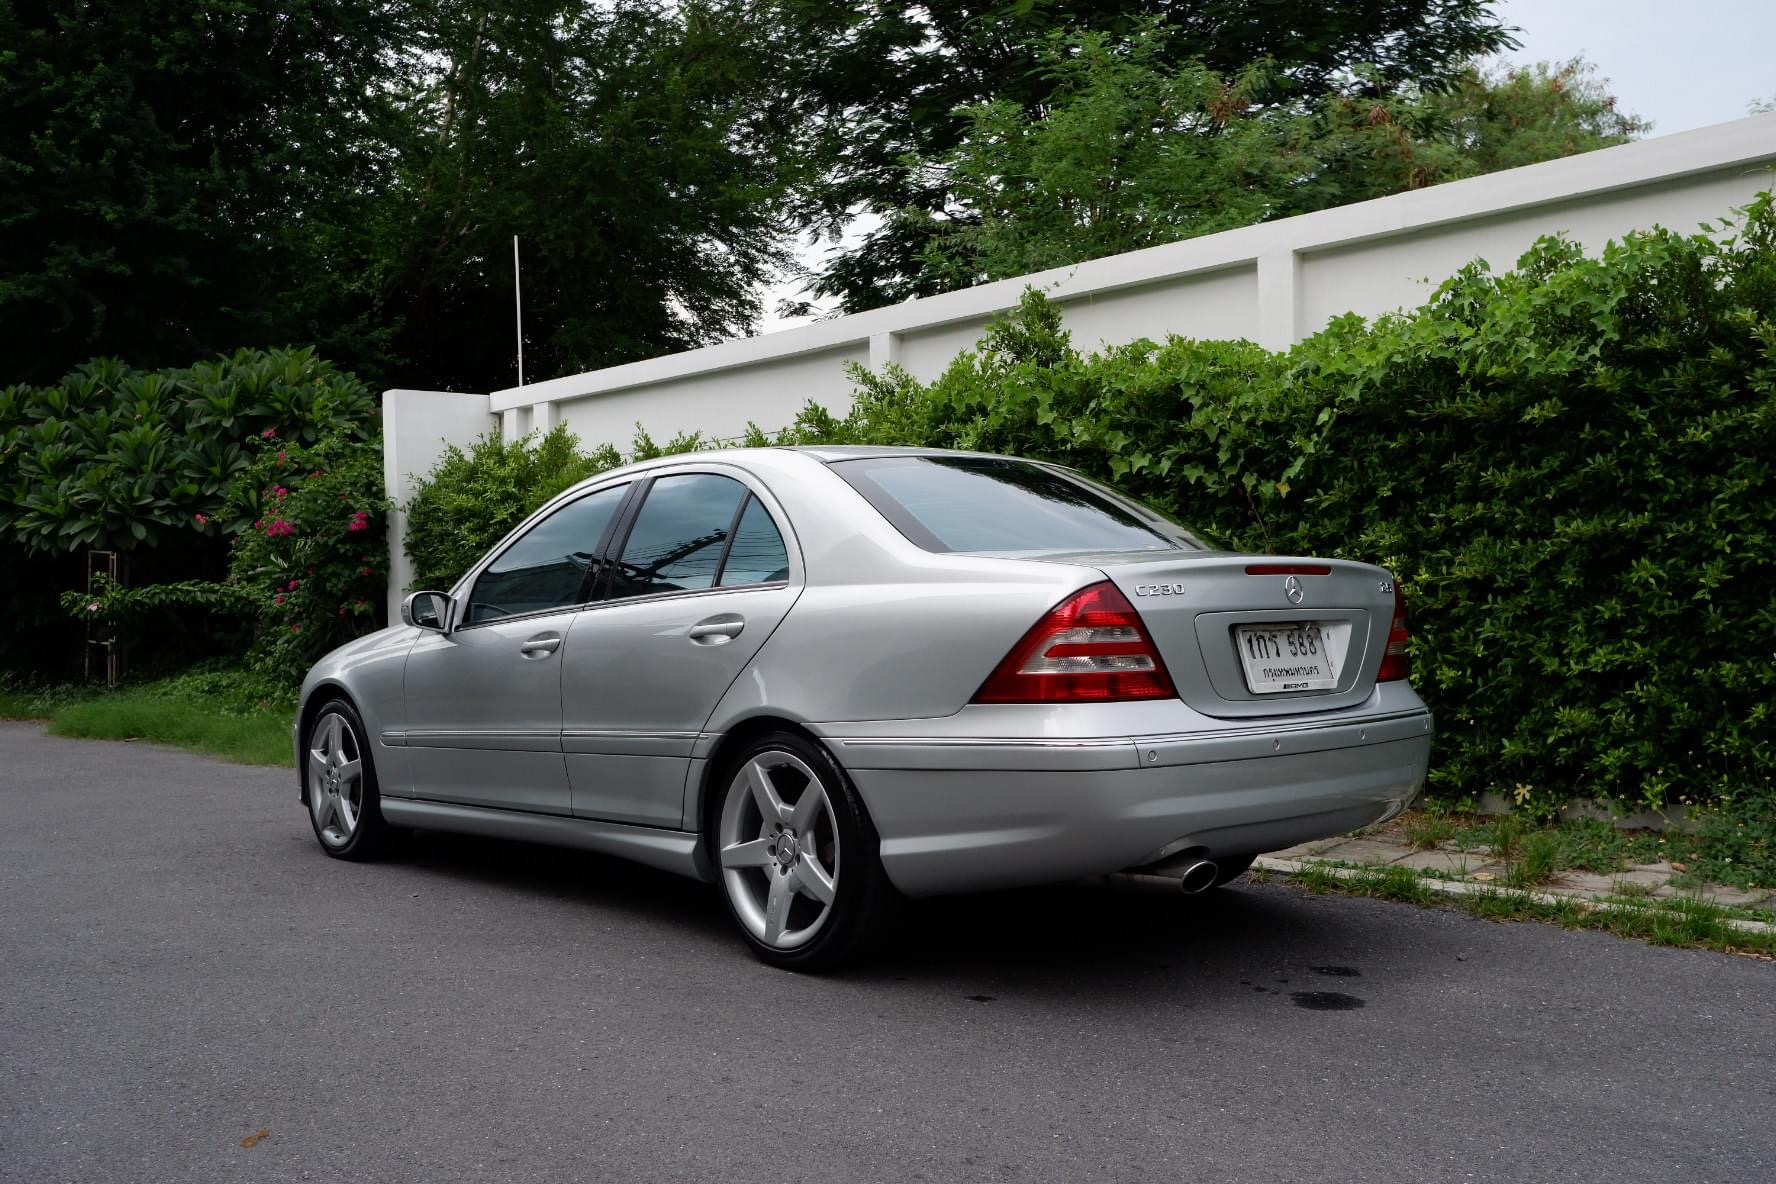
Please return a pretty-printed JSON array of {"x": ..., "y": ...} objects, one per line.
[
  {"x": 1685, "y": 923},
  {"x": 1539, "y": 858},
  {"x": 1733, "y": 843},
  {"x": 20, "y": 702},
  {"x": 214, "y": 710}
]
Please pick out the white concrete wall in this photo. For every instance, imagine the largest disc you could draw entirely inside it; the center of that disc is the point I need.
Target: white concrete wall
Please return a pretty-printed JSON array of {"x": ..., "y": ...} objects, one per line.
[
  {"x": 417, "y": 426},
  {"x": 1274, "y": 283}
]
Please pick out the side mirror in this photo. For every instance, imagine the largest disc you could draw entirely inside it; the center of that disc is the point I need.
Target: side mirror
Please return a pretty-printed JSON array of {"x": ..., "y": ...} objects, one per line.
[{"x": 426, "y": 610}]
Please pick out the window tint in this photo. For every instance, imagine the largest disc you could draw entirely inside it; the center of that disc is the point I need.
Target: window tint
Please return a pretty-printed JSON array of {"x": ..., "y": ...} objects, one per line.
[
  {"x": 998, "y": 504},
  {"x": 757, "y": 555},
  {"x": 679, "y": 536},
  {"x": 547, "y": 567}
]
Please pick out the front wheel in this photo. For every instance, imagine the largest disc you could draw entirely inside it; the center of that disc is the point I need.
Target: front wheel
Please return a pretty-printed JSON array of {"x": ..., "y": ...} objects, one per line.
[
  {"x": 340, "y": 780},
  {"x": 798, "y": 859}
]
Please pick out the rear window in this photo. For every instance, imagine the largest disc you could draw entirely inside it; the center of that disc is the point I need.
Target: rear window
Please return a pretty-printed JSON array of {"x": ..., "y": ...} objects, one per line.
[{"x": 967, "y": 503}]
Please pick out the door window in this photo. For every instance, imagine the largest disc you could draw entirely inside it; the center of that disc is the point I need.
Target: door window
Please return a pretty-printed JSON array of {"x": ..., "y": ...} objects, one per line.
[
  {"x": 679, "y": 537},
  {"x": 548, "y": 567}
]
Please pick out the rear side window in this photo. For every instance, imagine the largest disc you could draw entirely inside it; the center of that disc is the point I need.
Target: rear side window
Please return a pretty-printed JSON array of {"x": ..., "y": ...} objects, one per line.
[
  {"x": 967, "y": 503},
  {"x": 757, "y": 555}
]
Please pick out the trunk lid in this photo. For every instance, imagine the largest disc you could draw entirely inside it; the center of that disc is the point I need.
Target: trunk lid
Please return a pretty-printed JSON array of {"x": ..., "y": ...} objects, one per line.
[{"x": 1259, "y": 635}]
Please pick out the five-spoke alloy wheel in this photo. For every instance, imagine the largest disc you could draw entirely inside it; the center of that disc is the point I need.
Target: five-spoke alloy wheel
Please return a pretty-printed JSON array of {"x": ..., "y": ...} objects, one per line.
[
  {"x": 340, "y": 784},
  {"x": 796, "y": 854}
]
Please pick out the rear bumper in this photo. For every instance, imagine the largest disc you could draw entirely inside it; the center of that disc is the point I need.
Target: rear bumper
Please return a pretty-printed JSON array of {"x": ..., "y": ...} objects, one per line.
[{"x": 959, "y": 815}]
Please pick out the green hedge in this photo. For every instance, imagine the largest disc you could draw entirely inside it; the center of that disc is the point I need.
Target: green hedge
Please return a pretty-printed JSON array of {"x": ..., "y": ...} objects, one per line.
[{"x": 1571, "y": 467}]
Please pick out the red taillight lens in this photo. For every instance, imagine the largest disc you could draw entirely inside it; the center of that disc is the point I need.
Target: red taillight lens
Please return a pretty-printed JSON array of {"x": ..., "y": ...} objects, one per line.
[
  {"x": 1395, "y": 664},
  {"x": 1090, "y": 648}
]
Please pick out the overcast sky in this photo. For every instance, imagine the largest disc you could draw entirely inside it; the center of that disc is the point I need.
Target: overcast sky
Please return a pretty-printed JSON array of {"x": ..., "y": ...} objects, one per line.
[{"x": 1682, "y": 65}]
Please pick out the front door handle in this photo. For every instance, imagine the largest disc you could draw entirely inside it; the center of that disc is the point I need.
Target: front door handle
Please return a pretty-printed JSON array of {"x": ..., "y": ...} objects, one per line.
[
  {"x": 541, "y": 646},
  {"x": 717, "y": 630}
]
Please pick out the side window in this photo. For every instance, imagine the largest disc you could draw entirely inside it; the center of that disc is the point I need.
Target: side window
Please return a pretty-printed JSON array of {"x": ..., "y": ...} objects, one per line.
[
  {"x": 757, "y": 555},
  {"x": 679, "y": 537},
  {"x": 547, "y": 567}
]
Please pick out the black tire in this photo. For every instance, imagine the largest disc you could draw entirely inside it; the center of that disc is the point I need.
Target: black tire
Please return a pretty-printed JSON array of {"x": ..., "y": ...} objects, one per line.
[
  {"x": 344, "y": 809},
  {"x": 767, "y": 855},
  {"x": 1232, "y": 868}
]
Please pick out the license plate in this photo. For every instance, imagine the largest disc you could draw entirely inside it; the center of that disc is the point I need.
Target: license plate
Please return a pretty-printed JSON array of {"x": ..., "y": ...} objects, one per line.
[{"x": 1299, "y": 656}]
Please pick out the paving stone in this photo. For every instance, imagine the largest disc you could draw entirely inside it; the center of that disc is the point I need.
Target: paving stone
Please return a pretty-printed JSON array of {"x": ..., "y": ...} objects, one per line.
[
  {"x": 1737, "y": 898},
  {"x": 1454, "y": 863},
  {"x": 1646, "y": 879},
  {"x": 1307, "y": 850},
  {"x": 1588, "y": 882},
  {"x": 1362, "y": 851}
]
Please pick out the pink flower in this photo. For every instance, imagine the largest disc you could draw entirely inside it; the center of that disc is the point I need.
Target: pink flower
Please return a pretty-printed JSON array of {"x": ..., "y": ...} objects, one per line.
[
  {"x": 283, "y": 456},
  {"x": 278, "y": 491},
  {"x": 360, "y": 520},
  {"x": 268, "y": 433},
  {"x": 278, "y": 529},
  {"x": 201, "y": 520},
  {"x": 295, "y": 628},
  {"x": 93, "y": 607},
  {"x": 367, "y": 571},
  {"x": 292, "y": 585},
  {"x": 278, "y": 599}
]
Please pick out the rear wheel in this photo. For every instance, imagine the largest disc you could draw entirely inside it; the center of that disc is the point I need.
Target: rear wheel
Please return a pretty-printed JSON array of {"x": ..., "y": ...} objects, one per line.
[
  {"x": 340, "y": 779},
  {"x": 799, "y": 861}
]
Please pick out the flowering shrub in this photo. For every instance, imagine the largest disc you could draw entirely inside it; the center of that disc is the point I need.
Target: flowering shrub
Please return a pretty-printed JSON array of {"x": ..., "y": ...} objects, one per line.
[{"x": 310, "y": 547}]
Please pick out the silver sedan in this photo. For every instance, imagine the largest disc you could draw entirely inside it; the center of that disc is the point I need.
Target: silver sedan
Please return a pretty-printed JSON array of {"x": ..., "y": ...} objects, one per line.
[{"x": 824, "y": 678}]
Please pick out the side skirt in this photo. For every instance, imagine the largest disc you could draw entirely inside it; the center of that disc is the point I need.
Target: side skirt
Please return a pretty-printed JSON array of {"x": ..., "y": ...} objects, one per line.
[{"x": 669, "y": 850}]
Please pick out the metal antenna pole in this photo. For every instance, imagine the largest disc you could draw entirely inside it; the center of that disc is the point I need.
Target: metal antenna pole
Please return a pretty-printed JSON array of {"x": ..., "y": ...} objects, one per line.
[{"x": 518, "y": 304}]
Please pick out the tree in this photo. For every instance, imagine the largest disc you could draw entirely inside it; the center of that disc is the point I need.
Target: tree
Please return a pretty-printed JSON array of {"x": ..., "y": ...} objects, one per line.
[
  {"x": 168, "y": 168},
  {"x": 1129, "y": 151},
  {"x": 885, "y": 80},
  {"x": 630, "y": 148}
]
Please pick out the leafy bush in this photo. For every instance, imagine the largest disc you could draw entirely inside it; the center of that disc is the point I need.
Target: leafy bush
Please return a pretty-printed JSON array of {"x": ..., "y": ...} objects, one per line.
[
  {"x": 113, "y": 457},
  {"x": 470, "y": 500},
  {"x": 311, "y": 548}
]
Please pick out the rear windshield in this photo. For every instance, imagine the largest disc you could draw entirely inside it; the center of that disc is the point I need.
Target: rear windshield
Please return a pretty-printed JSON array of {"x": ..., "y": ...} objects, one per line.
[{"x": 968, "y": 503}]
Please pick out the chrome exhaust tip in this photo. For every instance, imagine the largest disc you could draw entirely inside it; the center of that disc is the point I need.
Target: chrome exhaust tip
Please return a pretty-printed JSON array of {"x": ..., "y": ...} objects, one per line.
[{"x": 1198, "y": 877}]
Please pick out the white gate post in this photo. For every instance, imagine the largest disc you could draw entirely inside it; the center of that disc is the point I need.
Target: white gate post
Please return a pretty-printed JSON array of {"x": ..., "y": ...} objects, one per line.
[{"x": 417, "y": 426}]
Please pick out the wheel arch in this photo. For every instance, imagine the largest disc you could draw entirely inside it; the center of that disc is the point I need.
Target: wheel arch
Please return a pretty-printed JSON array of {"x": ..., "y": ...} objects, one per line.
[
  {"x": 321, "y": 694},
  {"x": 705, "y": 794}
]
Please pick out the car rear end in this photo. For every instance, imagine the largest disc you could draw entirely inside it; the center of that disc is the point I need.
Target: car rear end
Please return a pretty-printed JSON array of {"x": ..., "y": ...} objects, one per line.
[{"x": 1178, "y": 704}]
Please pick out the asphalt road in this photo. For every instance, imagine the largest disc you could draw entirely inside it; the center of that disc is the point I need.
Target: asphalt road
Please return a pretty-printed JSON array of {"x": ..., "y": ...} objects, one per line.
[{"x": 181, "y": 968}]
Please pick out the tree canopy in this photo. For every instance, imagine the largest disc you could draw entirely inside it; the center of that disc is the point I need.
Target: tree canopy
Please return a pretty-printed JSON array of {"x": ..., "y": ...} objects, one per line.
[
  {"x": 183, "y": 180},
  {"x": 1128, "y": 151}
]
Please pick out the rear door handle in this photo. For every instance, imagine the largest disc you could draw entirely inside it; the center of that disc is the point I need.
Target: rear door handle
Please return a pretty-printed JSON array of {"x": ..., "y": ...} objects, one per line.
[
  {"x": 541, "y": 646},
  {"x": 717, "y": 630}
]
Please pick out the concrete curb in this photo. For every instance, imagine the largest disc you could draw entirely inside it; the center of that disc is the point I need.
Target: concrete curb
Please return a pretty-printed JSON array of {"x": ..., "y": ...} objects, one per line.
[{"x": 1454, "y": 888}]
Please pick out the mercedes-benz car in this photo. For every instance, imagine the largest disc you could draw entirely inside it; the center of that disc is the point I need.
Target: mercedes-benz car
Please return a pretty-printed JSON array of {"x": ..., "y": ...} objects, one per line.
[{"x": 826, "y": 678}]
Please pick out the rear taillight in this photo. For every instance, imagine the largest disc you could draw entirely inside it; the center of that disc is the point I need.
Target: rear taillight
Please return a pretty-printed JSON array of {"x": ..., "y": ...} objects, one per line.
[
  {"x": 1395, "y": 664},
  {"x": 1090, "y": 648}
]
